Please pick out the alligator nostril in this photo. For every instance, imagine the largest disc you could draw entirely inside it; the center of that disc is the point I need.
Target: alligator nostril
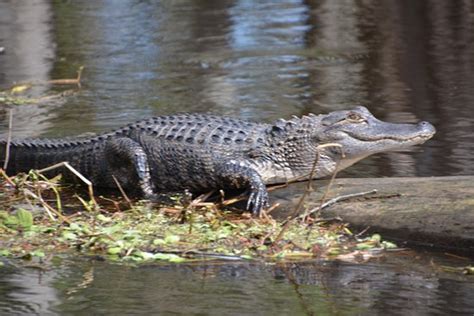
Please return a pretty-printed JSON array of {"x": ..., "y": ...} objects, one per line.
[{"x": 427, "y": 126}]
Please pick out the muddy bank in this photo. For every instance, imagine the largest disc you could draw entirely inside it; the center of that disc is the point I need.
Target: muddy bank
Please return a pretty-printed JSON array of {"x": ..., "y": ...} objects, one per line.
[{"x": 431, "y": 211}]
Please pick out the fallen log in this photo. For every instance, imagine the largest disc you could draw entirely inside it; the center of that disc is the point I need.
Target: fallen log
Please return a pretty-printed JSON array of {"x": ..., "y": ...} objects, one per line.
[{"x": 430, "y": 211}]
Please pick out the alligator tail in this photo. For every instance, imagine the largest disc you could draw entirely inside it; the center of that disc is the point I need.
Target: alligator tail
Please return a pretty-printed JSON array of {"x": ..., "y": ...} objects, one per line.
[{"x": 24, "y": 155}]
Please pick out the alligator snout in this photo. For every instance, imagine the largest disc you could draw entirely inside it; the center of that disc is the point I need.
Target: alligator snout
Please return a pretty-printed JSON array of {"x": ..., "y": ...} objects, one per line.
[{"x": 427, "y": 129}]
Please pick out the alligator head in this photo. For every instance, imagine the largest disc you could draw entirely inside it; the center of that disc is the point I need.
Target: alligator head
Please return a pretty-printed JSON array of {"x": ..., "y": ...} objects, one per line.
[
  {"x": 356, "y": 131},
  {"x": 360, "y": 134}
]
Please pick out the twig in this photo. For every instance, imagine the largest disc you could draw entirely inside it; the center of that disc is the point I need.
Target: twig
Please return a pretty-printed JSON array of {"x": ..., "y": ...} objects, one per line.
[
  {"x": 244, "y": 195},
  {"x": 77, "y": 174},
  {"x": 346, "y": 197},
  {"x": 201, "y": 199},
  {"x": 363, "y": 231},
  {"x": 288, "y": 182},
  {"x": 7, "y": 178},
  {"x": 233, "y": 200},
  {"x": 330, "y": 182},
  {"x": 456, "y": 256},
  {"x": 129, "y": 251},
  {"x": 337, "y": 199},
  {"x": 27, "y": 193},
  {"x": 9, "y": 140},
  {"x": 115, "y": 203},
  {"x": 69, "y": 81},
  {"x": 76, "y": 81},
  {"x": 53, "y": 187},
  {"x": 325, "y": 220},
  {"x": 272, "y": 208},
  {"x": 308, "y": 188},
  {"x": 125, "y": 196},
  {"x": 47, "y": 207}
]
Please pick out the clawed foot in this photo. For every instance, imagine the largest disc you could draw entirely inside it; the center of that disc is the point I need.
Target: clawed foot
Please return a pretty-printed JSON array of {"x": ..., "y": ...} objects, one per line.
[{"x": 258, "y": 200}]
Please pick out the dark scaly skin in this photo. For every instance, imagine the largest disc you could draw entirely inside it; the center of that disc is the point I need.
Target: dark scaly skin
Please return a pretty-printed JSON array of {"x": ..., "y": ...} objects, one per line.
[
  {"x": 203, "y": 152},
  {"x": 201, "y": 144}
]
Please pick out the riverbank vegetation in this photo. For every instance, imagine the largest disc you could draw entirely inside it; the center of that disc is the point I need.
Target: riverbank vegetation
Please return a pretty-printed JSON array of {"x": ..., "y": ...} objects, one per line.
[{"x": 40, "y": 218}]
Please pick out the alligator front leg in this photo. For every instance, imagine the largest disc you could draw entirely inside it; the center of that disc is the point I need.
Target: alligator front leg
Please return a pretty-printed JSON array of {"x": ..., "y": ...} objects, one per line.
[
  {"x": 238, "y": 175},
  {"x": 128, "y": 163}
]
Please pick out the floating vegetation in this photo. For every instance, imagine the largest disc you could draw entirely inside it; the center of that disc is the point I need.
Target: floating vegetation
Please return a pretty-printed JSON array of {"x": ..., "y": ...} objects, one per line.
[
  {"x": 16, "y": 95},
  {"x": 36, "y": 222}
]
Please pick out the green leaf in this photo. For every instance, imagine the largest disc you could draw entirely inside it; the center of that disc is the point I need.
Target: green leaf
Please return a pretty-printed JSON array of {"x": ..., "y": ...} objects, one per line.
[
  {"x": 159, "y": 242},
  {"x": 37, "y": 253},
  {"x": 114, "y": 250},
  {"x": 388, "y": 245},
  {"x": 333, "y": 251},
  {"x": 167, "y": 256},
  {"x": 25, "y": 218},
  {"x": 103, "y": 218},
  {"x": 365, "y": 245},
  {"x": 112, "y": 229},
  {"x": 11, "y": 221},
  {"x": 48, "y": 230},
  {"x": 30, "y": 233},
  {"x": 177, "y": 259},
  {"x": 74, "y": 226},
  {"x": 144, "y": 255},
  {"x": 69, "y": 235},
  {"x": 376, "y": 238},
  {"x": 172, "y": 239}
]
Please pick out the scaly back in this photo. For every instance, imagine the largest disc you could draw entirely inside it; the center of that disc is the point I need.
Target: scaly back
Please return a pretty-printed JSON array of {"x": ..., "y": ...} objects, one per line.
[{"x": 200, "y": 130}]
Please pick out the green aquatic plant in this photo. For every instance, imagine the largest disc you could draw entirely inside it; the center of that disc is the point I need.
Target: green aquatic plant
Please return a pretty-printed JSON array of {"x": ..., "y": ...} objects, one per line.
[{"x": 42, "y": 218}]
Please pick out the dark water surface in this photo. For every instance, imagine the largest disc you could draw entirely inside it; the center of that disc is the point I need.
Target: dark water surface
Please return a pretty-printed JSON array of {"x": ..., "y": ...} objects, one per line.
[
  {"x": 402, "y": 284},
  {"x": 261, "y": 60}
]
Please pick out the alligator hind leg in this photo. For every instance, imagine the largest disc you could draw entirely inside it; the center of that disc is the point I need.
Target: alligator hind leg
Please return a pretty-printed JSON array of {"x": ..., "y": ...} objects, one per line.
[{"x": 128, "y": 163}]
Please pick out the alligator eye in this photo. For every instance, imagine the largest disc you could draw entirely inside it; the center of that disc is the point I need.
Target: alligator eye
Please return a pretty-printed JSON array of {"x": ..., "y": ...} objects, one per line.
[{"x": 354, "y": 117}]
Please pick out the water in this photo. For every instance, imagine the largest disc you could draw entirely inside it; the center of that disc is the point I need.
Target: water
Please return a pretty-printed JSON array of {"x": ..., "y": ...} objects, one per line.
[
  {"x": 255, "y": 60},
  {"x": 262, "y": 60},
  {"x": 402, "y": 284}
]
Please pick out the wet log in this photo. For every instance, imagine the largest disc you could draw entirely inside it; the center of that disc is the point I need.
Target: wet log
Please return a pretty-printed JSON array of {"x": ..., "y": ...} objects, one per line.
[{"x": 431, "y": 211}]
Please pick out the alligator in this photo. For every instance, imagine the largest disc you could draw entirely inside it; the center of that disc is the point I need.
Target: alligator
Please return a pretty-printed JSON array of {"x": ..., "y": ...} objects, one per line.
[{"x": 202, "y": 152}]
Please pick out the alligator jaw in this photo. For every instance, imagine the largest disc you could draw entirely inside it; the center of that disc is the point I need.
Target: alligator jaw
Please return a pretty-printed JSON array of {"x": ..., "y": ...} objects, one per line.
[
  {"x": 380, "y": 144},
  {"x": 356, "y": 149},
  {"x": 417, "y": 139}
]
